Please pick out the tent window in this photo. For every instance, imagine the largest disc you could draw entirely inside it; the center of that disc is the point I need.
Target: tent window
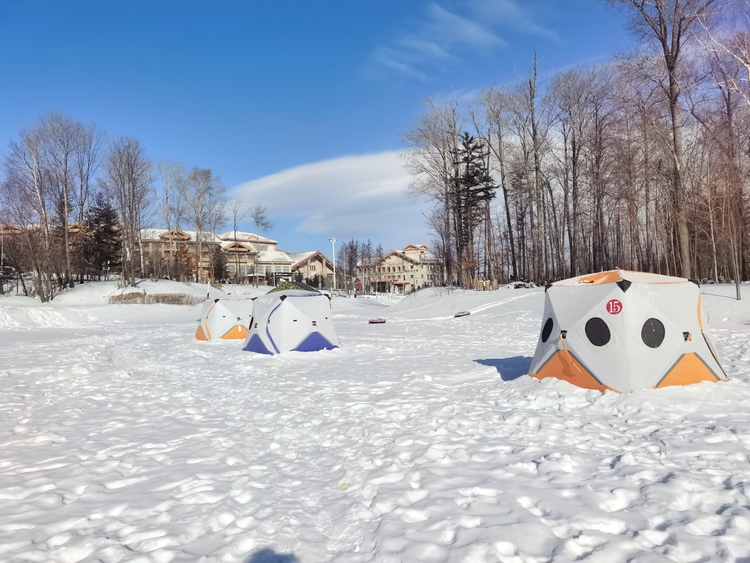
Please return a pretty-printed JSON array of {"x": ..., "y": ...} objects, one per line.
[
  {"x": 652, "y": 333},
  {"x": 547, "y": 330},
  {"x": 597, "y": 331}
]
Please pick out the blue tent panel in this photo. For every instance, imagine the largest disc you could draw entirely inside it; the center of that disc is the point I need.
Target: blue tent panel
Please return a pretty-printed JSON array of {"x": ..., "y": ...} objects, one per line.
[
  {"x": 315, "y": 341},
  {"x": 256, "y": 345}
]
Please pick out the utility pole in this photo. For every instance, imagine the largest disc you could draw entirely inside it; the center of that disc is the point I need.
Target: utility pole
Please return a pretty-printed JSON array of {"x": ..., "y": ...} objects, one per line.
[{"x": 333, "y": 251}]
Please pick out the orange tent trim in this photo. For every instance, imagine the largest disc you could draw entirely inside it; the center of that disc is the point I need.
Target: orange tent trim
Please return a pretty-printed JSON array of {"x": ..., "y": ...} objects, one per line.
[{"x": 612, "y": 276}]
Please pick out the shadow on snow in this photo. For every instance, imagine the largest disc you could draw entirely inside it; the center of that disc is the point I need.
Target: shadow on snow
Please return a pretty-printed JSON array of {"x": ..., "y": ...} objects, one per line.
[
  {"x": 508, "y": 368},
  {"x": 268, "y": 555}
]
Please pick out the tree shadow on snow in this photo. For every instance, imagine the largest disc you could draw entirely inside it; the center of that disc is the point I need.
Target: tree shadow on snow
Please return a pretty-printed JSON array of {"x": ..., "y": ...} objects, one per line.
[
  {"x": 268, "y": 555},
  {"x": 508, "y": 368}
]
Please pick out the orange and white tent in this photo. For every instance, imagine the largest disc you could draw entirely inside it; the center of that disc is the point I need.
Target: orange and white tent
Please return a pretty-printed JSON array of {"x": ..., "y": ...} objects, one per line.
[
  {"x": 625, "y": 331},
  {"x": 226, "y": 317}
]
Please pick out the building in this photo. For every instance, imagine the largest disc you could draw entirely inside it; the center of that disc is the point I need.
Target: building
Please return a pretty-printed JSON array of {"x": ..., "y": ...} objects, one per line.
[
  {"x": 313, "y": 268},
  {"x": 401, "y": 271},
  {"x": 247, "y": 257},
  {"x": 251, "y": 257},
  {"x": 174, "y": 253}
]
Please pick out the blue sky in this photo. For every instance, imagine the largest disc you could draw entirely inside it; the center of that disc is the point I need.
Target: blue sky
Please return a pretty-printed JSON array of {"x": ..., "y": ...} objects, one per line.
[{"x": 299, "y": 105}]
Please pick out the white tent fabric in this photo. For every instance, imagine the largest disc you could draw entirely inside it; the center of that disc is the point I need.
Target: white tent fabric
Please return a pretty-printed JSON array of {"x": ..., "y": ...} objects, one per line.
[
  {"x": 226, "y": 317},
  {"x": 625, "y": 331},
  {"x": 292, "y": 320}
]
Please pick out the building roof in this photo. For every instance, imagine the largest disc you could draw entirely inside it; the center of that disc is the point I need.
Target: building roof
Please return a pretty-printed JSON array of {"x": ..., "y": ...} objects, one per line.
[
  {"x": 274, "y": 256},
  {"x": 238, "y": 246},
  {"x": 246, "y": 237},
  {"x": 300, "y": 258},
  {"x": 176, "y": 235},
  {"x": 401, "y": 254}
]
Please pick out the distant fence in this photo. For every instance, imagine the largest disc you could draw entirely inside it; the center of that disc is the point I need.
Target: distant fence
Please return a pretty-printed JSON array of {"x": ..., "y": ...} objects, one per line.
[{"x": 139, "y": 298}]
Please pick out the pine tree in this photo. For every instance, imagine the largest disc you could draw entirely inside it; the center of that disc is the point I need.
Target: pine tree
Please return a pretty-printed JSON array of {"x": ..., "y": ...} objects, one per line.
[
  {"x": 102, "y": 248},
  {"x": 472, "y": 191}
]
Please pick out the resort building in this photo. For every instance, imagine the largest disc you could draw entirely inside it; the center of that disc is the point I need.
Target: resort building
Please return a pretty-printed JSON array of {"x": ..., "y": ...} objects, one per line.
[
  {"x": 313, "y": 268},
  {"x": 401, "y": 271},
  {"x": 174, "y": 253},
  {"x": 251, "y": 258}
]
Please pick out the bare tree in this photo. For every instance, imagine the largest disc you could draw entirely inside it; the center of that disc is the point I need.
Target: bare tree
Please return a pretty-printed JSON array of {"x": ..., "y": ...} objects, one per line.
[
  {"x": 88, "y": 155},
  {"x": 127, "y": 183},
  {"x": 28, "y": 197},
  {"x": 495, "y": 133},
  {"x": 259, "y": 216},
  {"x": 669, "y": 22},
  {"x": 204, "y": 195},
  {"x": 87, "y": 158},
  {"x": 238, "y": 212},
  {"x": 61, "y": 137},
  {"x": 431, "y": 146},
  {"x": 170, "y": 198}
]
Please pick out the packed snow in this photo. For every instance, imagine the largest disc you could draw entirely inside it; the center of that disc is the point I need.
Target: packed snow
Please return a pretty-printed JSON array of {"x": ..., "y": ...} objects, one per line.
[{"x": 123, "y": 438}]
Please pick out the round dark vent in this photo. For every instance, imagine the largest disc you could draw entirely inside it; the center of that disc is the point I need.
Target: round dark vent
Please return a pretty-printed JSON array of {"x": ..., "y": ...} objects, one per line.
[
  {"x": 652, "y": 333},
  {"x": 597, "y": 331},
  {"x": 547, "y": 329}
]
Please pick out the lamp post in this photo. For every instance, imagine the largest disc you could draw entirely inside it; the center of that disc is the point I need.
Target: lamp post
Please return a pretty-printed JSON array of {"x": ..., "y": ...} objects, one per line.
[{"x": 333, "y": 251}]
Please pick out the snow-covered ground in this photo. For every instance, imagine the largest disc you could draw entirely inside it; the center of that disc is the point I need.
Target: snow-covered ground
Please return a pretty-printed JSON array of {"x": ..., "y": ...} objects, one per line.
[{"x": 122, "y": 438}]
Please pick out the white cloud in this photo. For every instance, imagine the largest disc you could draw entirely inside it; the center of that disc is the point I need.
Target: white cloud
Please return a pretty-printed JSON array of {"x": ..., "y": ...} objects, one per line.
[
  {"x": 360, "y": 197},
  {"x": 444, "y": 35},
  {"x": 510, "y": 14},
  {"x": 453, "y": 29}
]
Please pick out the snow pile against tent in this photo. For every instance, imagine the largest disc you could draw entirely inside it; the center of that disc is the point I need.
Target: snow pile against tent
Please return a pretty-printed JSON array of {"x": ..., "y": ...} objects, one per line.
[
  {"x": 226, "y": 318},
  {"x": 625, "y": 331},
  {"x": 291, "y": 320}
]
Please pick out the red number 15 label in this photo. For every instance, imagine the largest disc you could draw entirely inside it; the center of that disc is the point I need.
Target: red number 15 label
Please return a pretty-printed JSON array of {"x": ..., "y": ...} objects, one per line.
[{"x": 614, "y": 306}]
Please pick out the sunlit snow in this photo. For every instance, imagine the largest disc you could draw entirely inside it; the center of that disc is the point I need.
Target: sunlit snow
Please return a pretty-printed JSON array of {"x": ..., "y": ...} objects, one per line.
[{"x": 123, "y": 438}]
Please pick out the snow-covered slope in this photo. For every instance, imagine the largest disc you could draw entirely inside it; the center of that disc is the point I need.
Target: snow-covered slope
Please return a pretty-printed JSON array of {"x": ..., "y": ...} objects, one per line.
[{"x": 122, "y": 438}]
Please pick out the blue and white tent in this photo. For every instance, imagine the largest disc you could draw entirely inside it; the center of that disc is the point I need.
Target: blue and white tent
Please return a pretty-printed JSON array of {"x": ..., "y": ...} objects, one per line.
[{"x": 291, "y": 320}]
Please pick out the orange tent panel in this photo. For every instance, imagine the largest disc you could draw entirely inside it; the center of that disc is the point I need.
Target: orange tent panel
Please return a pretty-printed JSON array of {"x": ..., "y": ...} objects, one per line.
[
  {"x": 236, "y": 333},
  {"x": 200, "y": 335},
  {"x": 688, "y": 369},
  {"x": 564, "y": 366}
]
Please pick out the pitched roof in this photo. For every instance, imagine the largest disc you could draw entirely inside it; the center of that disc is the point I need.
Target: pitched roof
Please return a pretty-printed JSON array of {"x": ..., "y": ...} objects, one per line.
[
  {"x": 301, "y": 257},
  {"x": 176, "y": 235},
  {"x": 246, "y": 237},
  {"x": 275, "y": 256}
]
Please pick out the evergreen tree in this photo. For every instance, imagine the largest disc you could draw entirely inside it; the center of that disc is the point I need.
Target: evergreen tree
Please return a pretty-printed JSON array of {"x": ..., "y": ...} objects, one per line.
[
  {"x": 102, "y": 247},
  {"x": 472, "y": 191},
  {"x": 219, "y": 264}
]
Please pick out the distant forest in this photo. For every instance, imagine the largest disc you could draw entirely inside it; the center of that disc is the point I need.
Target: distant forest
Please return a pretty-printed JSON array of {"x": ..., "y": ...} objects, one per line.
[{"x": 639, "y": 163}]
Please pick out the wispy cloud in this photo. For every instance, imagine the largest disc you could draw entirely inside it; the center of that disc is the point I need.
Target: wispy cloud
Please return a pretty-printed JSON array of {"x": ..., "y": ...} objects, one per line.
[
  {"x": 357, "y": 197},
  {"x": 510, "y": 15},
  {"x": 446, "y": 34}
]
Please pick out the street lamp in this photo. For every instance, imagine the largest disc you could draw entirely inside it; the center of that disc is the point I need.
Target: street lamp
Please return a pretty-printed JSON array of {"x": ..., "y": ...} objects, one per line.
[{"x": 333, "y": 252}]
